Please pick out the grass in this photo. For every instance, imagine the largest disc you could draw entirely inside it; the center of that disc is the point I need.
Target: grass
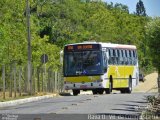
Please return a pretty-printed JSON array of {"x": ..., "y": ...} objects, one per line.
[
  {"x": 8, "y": 98},
  {"x": 23, "y": 95}
]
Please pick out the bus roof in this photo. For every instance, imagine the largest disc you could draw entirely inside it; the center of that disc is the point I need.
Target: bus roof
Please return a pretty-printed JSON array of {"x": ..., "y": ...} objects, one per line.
[
  {"x": 123, "y": 46},
  {"x": 108, "y": 45}
]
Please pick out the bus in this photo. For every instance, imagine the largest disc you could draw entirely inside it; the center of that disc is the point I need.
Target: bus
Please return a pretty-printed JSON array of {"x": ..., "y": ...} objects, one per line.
[{"x": 100, "y": 67}]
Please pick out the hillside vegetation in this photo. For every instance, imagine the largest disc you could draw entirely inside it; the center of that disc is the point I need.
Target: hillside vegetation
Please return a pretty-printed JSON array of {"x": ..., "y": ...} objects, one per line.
[{"x": 55, "y": 23}]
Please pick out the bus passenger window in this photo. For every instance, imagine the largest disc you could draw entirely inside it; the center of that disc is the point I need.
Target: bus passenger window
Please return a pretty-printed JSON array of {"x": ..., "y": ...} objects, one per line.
[
  {"x": 114, "y": 57},
  {"x": 114, "y": 54},
  {"x": 135, "y": 57},
  {"x": 133, "y": 54},
  {"x": 118, "y": 53},
  {"x": 124, "y": 57},
  {"x": 128, "y": 58},
  {"x": 109, "y": 61},
  {"x": 109, "y": 52},
  {"x": 130, "y": 53},
  {"x": 121, "y": 57},
  {"x": 110, "y": 56},
  {"x": 118, "y": 57},
  {"x": 132, "y": 58},
  {"x": 122, "y": 52}
]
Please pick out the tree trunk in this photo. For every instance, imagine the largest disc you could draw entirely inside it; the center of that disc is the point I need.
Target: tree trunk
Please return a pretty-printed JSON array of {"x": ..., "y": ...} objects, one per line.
[
  {"x": 158, "y": 81},
  {"x": 38, "y": 78},
  {"x": 11, "y": 79},
  {"x": 15, "y": 85},
  {"x": 19, "y": 81},
  {"x": 4, "y": 82}
]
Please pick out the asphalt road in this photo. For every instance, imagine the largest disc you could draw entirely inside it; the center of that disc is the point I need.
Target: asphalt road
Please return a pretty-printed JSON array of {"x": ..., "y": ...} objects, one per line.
[{"x": 86, "y": 106}]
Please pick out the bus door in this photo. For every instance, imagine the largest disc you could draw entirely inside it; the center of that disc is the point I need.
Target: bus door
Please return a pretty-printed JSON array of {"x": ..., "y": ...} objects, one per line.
[
  {"x": 120, "y": 69},
  {"x": 113, "y": 68}
]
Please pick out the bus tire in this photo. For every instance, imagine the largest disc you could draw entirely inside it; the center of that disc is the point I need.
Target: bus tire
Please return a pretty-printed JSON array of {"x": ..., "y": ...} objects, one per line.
[
  {"x": 94, "y": 92},
  {"x": 129, "y": 89},
  {"x": 123, "y": 90},
  {"x": 100, "y": 91},
  {"x": 76, "y": 92},
  {"x": 109, "y": 90}
]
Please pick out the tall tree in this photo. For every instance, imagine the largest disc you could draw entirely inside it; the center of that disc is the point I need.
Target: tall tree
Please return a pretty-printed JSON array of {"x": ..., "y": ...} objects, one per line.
[
  {"x": 140, "y": 9},
  {"x": 153, "y": 38}
]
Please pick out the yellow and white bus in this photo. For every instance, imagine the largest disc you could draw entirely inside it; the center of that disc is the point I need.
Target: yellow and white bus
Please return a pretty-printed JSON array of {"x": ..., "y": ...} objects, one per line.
[{"x": 100, "y": 67}]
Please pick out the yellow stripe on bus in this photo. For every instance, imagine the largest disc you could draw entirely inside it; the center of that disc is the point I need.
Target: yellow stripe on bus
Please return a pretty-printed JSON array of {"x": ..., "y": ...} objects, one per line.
[{"x": 79, "y": 79}]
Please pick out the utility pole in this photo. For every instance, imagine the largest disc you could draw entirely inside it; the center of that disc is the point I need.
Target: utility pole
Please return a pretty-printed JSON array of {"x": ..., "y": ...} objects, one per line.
[{"x": 29, "y": 47}]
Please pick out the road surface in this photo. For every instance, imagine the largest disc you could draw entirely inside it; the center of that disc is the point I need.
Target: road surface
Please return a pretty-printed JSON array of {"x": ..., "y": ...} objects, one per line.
[{"x": 112, "y": 104}]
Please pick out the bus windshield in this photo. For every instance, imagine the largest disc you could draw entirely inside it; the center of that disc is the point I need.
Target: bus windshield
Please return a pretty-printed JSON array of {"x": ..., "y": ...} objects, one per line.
[{"x": 83, "y": 63}]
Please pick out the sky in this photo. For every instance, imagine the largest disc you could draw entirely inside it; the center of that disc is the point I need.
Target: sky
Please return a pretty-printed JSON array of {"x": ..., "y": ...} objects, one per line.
[{"x": 152, "y": 6}]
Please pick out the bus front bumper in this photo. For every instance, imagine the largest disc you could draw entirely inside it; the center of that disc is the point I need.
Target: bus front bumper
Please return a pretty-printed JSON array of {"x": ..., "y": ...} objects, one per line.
[{"x": 83, "y": 86}]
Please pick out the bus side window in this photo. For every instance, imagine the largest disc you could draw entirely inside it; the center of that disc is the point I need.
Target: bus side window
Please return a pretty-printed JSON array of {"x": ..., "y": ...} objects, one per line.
[
  {"x": 130, "y": 58},
  {"x": 133, "y": 53},
  {"x": 134, "y": 58},
  {"x": 110, "y": 56},
  {"x": 121, "y": 58},
  {"x": 126, "y": 58},
  {"x": 115, "y": 56},
  {"x": 118, "y": 56},
  {"x": 109, "y": 52}
]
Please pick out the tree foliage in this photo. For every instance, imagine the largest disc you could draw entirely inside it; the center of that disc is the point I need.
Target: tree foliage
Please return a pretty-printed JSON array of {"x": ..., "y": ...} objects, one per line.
[
  {"x": 55, "y": 23},
  {"x": 140, "y": 9},
  {"x": 153, "y": 40}
]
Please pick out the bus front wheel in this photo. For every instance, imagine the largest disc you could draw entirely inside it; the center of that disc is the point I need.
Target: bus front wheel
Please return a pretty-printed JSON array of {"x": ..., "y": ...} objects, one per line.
[
  {"x": 76, "y": 92},
  {"x": 100, "y": 91},
  {"x": 94, "y": 92}
]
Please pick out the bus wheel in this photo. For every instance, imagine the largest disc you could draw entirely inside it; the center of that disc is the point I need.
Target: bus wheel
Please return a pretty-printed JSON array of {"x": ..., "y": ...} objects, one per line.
[
  {"x": 123, "y": 90},
  {"x": 94, "y": 92},
  {"x": 76, "y": 92},
  {"x": 109, "y": 90},
  {"x": 129, "y": 89},
  {"x": 100, "y": 91}
]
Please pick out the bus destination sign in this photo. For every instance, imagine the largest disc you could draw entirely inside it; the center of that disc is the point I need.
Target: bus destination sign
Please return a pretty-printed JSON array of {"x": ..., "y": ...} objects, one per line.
[{"x": 82, "y": 47}]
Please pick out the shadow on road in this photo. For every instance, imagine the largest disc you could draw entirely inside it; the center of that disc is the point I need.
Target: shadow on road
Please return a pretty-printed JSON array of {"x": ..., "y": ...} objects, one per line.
[{"x": 65, "y": 94}]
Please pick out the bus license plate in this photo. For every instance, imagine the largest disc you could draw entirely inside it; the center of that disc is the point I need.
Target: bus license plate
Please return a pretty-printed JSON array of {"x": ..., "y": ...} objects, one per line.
[{"x": 83, "y": 86}]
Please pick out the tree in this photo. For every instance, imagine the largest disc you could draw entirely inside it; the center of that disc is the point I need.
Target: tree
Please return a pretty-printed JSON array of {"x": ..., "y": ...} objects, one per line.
[
  {"x": 140, "y": 9},
  {"x": 121, "y": 7},
  {"x": 153, "y": 40}
]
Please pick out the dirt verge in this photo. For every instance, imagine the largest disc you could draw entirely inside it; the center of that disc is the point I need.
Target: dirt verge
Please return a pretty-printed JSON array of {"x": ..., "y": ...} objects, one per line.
[{"x": 149, "y": 85}]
